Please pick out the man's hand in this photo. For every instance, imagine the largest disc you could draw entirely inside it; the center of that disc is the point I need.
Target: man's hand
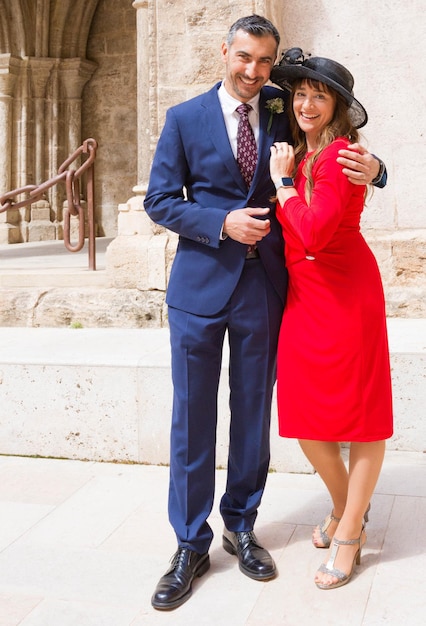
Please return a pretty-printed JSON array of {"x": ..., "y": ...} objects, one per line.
[
  {"x": 359, "y": 165},
  {"x": 243, "y": 225}
]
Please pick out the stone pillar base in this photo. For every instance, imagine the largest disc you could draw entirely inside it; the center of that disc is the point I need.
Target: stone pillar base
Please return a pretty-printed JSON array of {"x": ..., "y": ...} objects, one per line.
[
  {"x": 40, "y": 227},
  {"x": 9, "y": 233},
  {"x": 137, "y": 262},
  {"x": 139, "y": 257}
]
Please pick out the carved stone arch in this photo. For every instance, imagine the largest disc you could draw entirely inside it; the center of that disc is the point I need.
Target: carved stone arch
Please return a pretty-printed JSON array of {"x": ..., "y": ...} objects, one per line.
[
  {"x": 43, "y": 71},
  {"x": 17, "y": 27},
  {"x": 48, "y": 28},
  {"x": 70, "y": 22}
]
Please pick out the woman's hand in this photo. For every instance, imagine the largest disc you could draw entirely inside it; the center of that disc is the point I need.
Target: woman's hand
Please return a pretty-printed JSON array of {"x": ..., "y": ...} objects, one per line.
[{"x": 281, "y": 163}]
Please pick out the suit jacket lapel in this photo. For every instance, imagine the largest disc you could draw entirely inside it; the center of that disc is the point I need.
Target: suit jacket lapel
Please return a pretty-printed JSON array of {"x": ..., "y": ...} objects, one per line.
[
  {"x": 265, "y": 142},
  {"x": 215, "y": 126}
]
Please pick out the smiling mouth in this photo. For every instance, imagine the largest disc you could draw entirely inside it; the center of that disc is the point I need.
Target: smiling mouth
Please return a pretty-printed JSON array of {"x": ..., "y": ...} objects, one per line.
[
  {"x": 248, "y": 81},
  {"x": 309, "y": 118}
]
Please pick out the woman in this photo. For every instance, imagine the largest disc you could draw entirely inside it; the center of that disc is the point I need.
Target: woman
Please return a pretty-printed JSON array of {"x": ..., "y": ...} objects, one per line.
[{"x": 333, "y": 360}]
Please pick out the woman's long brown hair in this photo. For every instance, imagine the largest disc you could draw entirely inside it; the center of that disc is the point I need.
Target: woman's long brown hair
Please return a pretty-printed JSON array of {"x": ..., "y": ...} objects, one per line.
[{"x": 339, "y": 126}]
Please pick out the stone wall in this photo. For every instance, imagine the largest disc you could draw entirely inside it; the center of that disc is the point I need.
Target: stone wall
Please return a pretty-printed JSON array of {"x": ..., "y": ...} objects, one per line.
[
  {"x": 43, "y": 71},
  {"x": 109, "y": 107},
  {"x": 106, "y": 394},
  {"x": 146, "y": 55},
  {"x": 378, "y": 42},
  {"x": 49, "y": 51}
]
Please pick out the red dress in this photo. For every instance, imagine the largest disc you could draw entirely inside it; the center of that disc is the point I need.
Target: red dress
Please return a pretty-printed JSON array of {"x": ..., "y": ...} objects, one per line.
[{"x": 333, "y": 373}]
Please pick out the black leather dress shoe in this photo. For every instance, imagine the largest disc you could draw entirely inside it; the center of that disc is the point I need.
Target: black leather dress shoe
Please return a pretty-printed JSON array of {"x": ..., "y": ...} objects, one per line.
[
  {"x": 175, "y": 587},
  {"x": 254, "y": 561}
]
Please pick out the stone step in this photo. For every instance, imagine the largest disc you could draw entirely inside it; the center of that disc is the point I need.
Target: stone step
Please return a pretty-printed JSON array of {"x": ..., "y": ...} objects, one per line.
[
  {"x": 105, "y": 395},
  {"x": 48, "y": 264},
  {"x": 44, "y": 285}
]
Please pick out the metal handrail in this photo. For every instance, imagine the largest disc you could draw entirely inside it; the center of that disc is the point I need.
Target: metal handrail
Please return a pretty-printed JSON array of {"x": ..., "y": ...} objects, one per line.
[{"x": 72, "y": 184}]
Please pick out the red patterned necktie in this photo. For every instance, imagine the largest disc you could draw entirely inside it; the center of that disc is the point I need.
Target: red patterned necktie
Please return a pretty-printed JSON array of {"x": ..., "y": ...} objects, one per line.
[{"x": 246, "y": 145}]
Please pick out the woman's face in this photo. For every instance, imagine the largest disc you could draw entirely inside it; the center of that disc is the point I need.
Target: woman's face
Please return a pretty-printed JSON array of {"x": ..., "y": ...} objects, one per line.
[{"x": 313, "y": 108}]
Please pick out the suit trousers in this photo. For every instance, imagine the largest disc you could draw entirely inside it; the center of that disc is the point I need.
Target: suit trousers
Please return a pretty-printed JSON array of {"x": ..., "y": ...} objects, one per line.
[{"x": 251, "y": 319}]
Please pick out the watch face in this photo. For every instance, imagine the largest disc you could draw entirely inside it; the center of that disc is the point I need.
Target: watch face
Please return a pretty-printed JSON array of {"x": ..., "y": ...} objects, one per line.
[{"x": 286, "y": 181}]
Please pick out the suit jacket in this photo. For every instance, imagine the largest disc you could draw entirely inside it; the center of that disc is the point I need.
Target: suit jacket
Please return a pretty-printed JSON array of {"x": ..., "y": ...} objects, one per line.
[{"x": 195, "y": 181}]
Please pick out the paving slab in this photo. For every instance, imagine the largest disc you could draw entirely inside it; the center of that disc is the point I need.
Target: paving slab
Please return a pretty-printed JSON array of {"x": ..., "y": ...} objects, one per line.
[{"x": 84, "y": 544}]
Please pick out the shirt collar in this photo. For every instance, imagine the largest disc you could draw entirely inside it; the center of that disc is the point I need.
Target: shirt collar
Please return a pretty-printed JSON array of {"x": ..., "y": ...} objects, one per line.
[{"x": 229, "y": 104}]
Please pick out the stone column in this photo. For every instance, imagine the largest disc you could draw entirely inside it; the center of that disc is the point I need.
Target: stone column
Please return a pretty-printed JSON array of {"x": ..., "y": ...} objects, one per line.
[
  {"x": 74, "y": 74},
  {"x": 40, "y": 227},
  {"x": 146, "y": 96},
  {"x": 137, "y": 257},
  {"x": 40, "y": 72},
  {"x": 68, "y": 81},
  {"x": 9, "y": 70}
]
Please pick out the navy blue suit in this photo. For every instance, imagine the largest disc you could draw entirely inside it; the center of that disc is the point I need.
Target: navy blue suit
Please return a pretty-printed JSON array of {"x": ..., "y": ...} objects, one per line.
[{"x": 195, "y": 181}]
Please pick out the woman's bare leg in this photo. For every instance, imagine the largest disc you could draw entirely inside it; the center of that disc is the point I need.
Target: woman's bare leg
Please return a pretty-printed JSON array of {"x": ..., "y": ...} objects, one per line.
[
  {"x": 326, "y": 458},
  {"x": 365, "y": 463}
]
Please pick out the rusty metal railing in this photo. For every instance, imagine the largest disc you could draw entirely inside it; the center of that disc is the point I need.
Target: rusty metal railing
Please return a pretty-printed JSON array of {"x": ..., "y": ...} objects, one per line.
[{"x": 71, "y": 177}]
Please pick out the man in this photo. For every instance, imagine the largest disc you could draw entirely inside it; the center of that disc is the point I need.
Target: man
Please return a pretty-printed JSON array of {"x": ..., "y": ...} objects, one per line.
[{"x": 228, "y": 276}]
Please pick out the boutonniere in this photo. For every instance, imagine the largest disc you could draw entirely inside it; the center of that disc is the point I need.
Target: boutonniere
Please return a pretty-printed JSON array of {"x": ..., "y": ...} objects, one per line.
[{"x": 276, "y": 105}]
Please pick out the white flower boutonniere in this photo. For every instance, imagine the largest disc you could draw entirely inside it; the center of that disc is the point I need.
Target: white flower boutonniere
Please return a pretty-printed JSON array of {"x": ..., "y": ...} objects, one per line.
[{"x": 276, "y": 105}]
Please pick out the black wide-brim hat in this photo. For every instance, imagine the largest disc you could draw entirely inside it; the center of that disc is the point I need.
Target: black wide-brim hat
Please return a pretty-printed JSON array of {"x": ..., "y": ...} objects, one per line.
[{"x": 293, "y": 66}]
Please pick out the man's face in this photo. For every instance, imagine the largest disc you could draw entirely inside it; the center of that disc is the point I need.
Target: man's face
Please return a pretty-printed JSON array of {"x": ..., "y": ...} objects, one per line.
[{"x": 248, "y": 61}]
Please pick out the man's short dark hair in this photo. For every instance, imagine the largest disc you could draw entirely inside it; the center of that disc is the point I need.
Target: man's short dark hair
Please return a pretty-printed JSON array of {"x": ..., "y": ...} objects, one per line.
[{"x": 253, "y": 25}]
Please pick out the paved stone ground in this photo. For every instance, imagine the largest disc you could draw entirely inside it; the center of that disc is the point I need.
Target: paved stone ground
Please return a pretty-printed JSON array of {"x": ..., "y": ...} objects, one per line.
[{"x": 84, "y": 543}]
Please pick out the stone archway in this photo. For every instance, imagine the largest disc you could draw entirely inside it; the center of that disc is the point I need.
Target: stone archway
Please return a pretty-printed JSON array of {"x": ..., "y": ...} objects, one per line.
[{"x": 43, "y": 70}]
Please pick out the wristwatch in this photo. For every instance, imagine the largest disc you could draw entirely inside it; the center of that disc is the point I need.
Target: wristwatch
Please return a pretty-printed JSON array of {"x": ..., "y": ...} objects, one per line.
[
  {"x": 283, "y": 182},
  {"x": 380, "y": 174}
]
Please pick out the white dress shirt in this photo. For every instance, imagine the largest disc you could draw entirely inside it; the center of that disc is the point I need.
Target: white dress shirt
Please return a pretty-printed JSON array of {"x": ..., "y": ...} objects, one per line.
[{"x": 231, "y": 117}]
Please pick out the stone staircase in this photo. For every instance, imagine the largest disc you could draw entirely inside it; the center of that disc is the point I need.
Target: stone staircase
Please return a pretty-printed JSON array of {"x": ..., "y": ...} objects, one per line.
[{"x": 44, "y": 285}]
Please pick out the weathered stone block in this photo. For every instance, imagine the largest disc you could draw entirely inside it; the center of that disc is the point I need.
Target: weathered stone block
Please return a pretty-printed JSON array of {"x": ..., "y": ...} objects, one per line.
[
  {"x": 17, "y": 306},
  {"x": 137, "y": 262},
  {"x": 101, "y": 308},
  {"x": 9, "y": 233},
  {"x": 40, "y": 230}
]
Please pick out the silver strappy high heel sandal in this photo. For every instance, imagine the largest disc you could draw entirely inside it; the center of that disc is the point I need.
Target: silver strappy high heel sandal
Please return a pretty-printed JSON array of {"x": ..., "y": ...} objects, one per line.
[
  {"x": 322, "y": 528},
  {"x": 328, "y": 568}
]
